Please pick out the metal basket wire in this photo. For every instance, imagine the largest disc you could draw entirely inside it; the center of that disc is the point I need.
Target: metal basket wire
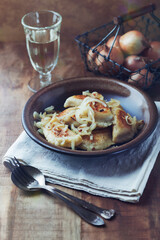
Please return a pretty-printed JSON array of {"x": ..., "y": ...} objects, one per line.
[{"x": 143, "y": 20}]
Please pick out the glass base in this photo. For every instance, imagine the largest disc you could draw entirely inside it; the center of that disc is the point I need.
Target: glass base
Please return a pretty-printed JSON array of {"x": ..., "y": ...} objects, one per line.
[{"x": 35, "y": 85}]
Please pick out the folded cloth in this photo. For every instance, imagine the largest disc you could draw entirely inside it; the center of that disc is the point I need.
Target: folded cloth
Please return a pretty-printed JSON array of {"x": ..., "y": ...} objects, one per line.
[{"x": 122, "y": 176}]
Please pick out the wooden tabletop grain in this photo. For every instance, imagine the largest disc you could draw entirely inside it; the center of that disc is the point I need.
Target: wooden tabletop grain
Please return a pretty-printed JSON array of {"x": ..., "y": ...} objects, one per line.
[{"x": 37, "y": 216}]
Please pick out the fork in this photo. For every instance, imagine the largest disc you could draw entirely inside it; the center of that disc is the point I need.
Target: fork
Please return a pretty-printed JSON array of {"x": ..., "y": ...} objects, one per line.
[
  {"x": 22, "y": 178},
  {"x": 105, "y": 213}
]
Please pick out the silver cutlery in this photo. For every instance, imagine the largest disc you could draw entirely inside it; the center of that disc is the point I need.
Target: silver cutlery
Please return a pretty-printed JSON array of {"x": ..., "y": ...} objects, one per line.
[
  {"x": 22, "y": 177},
  {"x": 13, "y": 163},
  {"x": 29, "y": 178}
]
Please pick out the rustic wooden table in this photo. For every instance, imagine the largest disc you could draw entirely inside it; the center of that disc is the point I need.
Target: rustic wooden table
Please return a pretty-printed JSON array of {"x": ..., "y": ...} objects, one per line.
[{"x": 38, "y": 216}]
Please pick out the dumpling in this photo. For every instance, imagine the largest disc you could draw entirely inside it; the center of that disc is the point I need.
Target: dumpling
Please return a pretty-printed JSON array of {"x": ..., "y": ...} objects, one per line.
[
  {"x": 103, "y": 115},
  {"x": 59, "y": 134},
  {"x": 99, "y": 139},
  {"x": 125, "y": 127},
  {"x": 68, "y": 116},
  {"x": 74, "y": 101}
]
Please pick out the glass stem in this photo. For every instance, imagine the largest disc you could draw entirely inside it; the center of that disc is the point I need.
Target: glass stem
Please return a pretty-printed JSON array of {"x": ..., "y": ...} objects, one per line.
[{"x": 45, "y": 79}]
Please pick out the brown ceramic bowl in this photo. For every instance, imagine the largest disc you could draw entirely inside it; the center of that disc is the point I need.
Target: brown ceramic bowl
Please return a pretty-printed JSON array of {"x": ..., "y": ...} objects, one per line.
[{"x": 134, "y": 101}]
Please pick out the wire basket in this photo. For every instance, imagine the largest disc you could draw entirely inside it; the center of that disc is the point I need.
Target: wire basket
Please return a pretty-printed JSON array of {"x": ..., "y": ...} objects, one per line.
[{"x": 92, "y": 43}]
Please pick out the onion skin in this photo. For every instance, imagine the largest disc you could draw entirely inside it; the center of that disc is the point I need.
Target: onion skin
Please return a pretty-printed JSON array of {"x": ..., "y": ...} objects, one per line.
[
  {"x": 109, "y": 43},
  {"x": 134, "y": 62},
  {"x": 153, "y": 53},
  {"x": 107, "y": 66},
  {"x": 133, "y": 42},
  {"x": 143, "y": 79},
  {"x": 91, "y": 56}
]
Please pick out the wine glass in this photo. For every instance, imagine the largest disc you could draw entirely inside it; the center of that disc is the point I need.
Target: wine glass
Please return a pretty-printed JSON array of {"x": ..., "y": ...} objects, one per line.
[{"x": 42, "y": 31}]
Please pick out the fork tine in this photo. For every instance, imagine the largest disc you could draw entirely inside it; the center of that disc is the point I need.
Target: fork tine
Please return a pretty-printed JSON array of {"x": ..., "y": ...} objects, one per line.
[
  {"x": 11, "y": 162},
  {"x": 22, "y": 172},
  {"x": 21, "y": 176},
  {"x": 16, "y": 162},
  {"x": 26, "y": 174},
  {"x": 17, "y": 179}
]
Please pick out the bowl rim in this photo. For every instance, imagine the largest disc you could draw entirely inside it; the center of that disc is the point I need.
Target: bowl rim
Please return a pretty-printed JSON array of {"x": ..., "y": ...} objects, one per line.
[{"x": 113, "y": 150}]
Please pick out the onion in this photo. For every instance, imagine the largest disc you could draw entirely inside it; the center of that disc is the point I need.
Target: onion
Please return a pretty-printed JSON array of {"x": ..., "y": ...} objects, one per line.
[
  {"x": 135, "y": 62},
  {"x": 105, "y": 66},
  {"x": 109, "y": 43},
  {"x": 153, "y": 53},
  {"x": 133, "y": 42},
  {"x": 142, "y": 79},
  {"x": 91, "y": 56}
]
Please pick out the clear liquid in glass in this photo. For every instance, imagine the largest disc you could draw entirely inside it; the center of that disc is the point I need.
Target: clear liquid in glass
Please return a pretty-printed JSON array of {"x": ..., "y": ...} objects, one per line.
[{"x": 43, "y": 56}]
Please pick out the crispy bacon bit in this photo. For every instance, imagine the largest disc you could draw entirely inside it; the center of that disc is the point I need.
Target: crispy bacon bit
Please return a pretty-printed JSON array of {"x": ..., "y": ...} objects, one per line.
[
  {"x": 57, "y": 131},
  {"x": 65, "y": 134}
]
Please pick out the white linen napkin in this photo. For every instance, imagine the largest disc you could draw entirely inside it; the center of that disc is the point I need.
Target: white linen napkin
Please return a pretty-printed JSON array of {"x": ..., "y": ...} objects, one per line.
[{"x": 122, "y": 176}]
